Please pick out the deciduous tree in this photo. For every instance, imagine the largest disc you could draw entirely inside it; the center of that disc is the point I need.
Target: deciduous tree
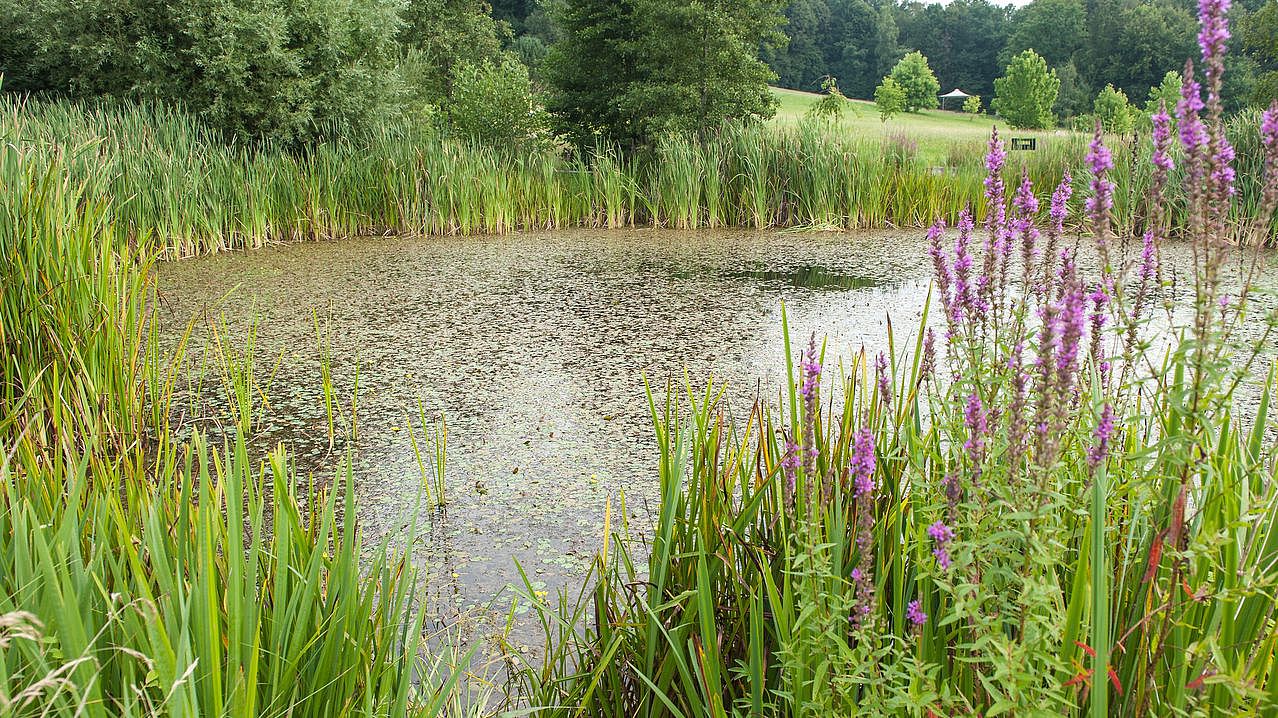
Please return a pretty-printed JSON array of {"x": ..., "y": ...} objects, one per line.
[{"x": 1024, "y": 96}]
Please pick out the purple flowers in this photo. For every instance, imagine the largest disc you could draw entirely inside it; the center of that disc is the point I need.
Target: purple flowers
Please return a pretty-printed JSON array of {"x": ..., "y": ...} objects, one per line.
[
  {"x": 977, "y": 422},
  {"x": 862, "y": 464},
  {"x": 1212, "y": 38},
  {"x": 914, "y": 612},
  {"x": 1101, "y": 202},
  {"x": 885, "y": 380},
  {"x": 1269, "y": 128},
  {"x": 941, "y": 535},
  {"x": 1269, "y": 139},
  {"x": 1162, "y": 139},
  {"x": 1104, "y": 432}
]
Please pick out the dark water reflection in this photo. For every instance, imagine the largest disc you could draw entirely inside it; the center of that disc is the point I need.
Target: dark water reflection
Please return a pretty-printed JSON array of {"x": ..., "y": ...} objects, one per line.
[{"x": 535, "y": 347}]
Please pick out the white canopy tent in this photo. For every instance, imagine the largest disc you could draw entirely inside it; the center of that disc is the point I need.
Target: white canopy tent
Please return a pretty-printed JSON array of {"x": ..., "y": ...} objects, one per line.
[{"x": 955, "y": 94}]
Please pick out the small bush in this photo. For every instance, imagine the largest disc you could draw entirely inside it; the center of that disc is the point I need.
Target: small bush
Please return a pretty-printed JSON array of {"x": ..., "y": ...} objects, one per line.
[
  {"x": 972, "y": 105},
  {"x": 1113, "y": 111},
  {"x": 890, "y": 98},
  {"x": 832, "y": 105}
]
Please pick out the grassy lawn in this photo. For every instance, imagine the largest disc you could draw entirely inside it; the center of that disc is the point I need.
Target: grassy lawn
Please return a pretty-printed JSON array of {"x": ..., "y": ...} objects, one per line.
[{"x": 935, "y": 131}]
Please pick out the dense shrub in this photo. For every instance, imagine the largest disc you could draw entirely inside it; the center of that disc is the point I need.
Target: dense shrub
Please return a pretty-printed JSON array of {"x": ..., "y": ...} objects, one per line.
[{"x": 283, "y": 70}]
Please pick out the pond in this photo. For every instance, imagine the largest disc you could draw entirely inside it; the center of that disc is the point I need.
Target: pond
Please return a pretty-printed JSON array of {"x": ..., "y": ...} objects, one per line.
[{"x": 536, "y": 348}]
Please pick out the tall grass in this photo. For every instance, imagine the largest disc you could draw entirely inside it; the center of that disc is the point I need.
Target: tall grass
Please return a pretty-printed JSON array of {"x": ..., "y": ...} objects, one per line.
[
  {"x": 173, "y": 182},
  {"x": 142, "y": 576}
]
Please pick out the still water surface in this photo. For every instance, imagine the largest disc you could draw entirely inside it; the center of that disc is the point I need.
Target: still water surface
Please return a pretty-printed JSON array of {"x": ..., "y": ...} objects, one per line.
[{"x": 536, "y": 348}]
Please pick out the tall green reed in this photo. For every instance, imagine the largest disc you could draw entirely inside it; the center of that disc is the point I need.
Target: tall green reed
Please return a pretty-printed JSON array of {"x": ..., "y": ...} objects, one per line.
[
  {"x": 178, "y": 186},
  {"x": 145, "y": 576}
]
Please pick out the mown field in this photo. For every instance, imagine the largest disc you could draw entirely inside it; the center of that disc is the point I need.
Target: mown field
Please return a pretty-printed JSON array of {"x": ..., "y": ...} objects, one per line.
[{"x": 935, "y": 131}]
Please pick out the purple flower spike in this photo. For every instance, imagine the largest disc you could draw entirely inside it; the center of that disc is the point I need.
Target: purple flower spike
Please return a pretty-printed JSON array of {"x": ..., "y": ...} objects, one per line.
[
  {"x": 1269, "y": 139},
  {"x": 1104, "y": 432},
  {"x": 1101, "y": 202},
  {"x": 977, "y": 421},
  {"x": 1162, "y": 139},
  {"x": 862, "y": 464},
  {"x": 941, "y": 535},
  {"x": 940, "y": 532},
  {"x": 914, "y": 612},
  {"x": 1269, "y": 127},
  {"x": 885, "y": 380}
]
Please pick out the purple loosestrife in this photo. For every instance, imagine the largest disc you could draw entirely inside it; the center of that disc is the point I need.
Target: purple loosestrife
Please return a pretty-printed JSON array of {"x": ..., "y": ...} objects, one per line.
[
  {"x": 996, "y": 243},
  {"x": 861, "y": 465},
  {"x": 1099, "y": 299},
  {"x": 1058, "y": 212},
  {"x": 1213, "y": 38},
  {"x": 1104, "y": 433},
  {"x": 1100, "y": 205},
  {"x": 940, "y": 266},
  {"x": 1026, "y": 206},
  {"x": 928, "y": 363},
  {"x": 968, "y": 290},
  {"x": 862, "y": 470},
  {"x": 1016, "y": 421},
  {"x": 976, "y": 420},
  {"x": 953, "y": 494},
  {"x": 810, "y": 391},
  {"x": 914, "y": 613},
  {"x": 885, "y": 381},
  {"x": 1269, "y": 140},
  {"x": 941, "y": 535}
]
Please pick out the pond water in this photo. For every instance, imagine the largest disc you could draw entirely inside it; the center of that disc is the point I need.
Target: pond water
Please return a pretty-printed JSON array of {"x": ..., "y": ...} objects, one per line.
[{"x": 535, "y": 347}]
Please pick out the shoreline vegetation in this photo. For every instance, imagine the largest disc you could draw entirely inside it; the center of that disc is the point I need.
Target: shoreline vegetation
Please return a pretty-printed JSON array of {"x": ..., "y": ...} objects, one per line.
[
  {"x": 167, "y": 181},
  {"x": 1033, "y": 513}
]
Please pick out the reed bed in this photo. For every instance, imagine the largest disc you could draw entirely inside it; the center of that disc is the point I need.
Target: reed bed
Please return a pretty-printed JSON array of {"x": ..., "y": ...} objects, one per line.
[
  {"x": 165, "y": 178},
  {"x": 143, "y": 576}
]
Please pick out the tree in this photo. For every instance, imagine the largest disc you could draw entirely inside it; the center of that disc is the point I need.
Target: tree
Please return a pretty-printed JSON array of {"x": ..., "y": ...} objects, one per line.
[
  {"x": 1075, "y": 96},
  {"x": 1113, "y": 111},
  {"x": 1135, "y": 44},
  {"x": 972, "y": 105},
  {"x": 286, "y": 71},
  {"x": 591, "y": 68},
  {"x": 914, "y": 76},
  {"x": 1260, "y": 44},
  {"x": 963, "y": 39},
  {"x": 493, "y": 104},
  {"x": 635, "y": 69},
  {"x": 890, "y": 98},
  {"x": 1026, "y": 93},
  {"x": 1055, "y": 29},
  {"x": 699, "y": 63},
  {"x": 802, "y": 62},
  {"x": 1167, "y": 91}
]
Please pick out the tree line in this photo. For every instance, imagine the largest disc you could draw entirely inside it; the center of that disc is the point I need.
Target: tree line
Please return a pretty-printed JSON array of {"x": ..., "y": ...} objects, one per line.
[
  {"x": 1129, "y": 44},
  {"x": 621, "y": 71}
]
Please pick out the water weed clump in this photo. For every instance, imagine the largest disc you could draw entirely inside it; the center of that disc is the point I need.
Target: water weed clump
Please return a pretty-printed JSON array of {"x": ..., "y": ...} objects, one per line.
[{"x": 1043, "y": 509}]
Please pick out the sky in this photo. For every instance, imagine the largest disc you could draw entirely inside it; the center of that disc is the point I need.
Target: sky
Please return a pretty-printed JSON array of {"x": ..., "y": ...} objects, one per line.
[{"x": 1017, "y": 3}]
